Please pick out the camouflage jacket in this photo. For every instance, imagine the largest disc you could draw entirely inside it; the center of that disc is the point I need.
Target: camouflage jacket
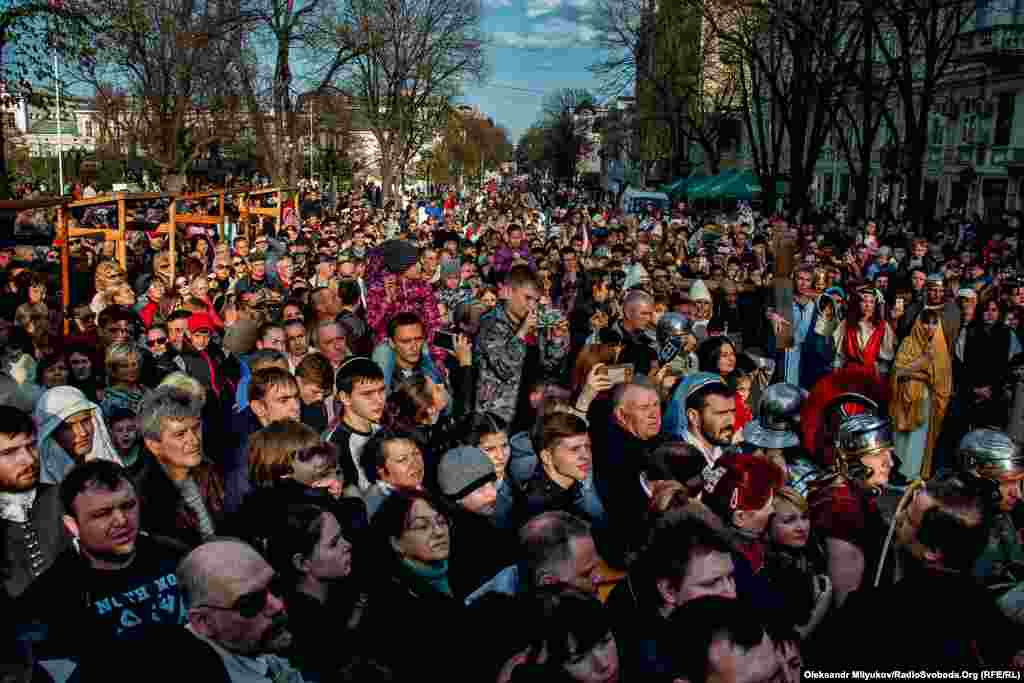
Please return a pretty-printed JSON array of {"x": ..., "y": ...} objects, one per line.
[{"x": 501, "y": 356}]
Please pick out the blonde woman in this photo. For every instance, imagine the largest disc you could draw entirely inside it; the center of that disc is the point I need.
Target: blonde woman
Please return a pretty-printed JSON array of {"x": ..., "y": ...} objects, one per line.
[
  {"x": 795, "y": 564},
  {"x": 124, "y": 368}
]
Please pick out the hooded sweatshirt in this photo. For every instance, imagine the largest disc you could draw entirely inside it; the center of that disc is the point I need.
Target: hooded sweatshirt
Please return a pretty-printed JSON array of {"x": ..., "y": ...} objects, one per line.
[{"x": 52, "y": 408}]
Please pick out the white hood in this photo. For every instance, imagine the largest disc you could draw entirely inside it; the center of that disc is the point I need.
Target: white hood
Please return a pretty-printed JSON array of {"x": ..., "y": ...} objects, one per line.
[{"x": 52, "y": 408}]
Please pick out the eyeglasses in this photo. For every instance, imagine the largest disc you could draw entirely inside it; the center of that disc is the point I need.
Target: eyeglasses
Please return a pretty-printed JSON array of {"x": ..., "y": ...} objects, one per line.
[
  {"x": 159, "y": 341},
  {"x": 251, "y": 605}
]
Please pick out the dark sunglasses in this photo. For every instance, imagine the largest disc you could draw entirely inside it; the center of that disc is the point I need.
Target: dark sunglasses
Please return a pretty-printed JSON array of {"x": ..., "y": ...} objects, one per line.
[
  {"x": 156, "y": 342},
  {"x": 251, "y": 605}
]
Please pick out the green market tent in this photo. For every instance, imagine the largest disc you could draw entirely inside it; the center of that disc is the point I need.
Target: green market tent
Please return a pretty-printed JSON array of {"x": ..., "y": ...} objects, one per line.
[
  {"x": 697, "y": 189},
  {"x": 738, "y": 185},
  {"x": 680, "y": 185}
]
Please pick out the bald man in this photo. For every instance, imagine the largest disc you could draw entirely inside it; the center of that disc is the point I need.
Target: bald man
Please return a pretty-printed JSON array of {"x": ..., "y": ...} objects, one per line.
[
  {"x": 234, "y": 607},
  {"x": 236, "y": 623}
]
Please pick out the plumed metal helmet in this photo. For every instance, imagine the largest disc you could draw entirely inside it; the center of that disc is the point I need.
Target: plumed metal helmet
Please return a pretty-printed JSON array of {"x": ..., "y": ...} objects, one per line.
[
  {"x": 857, "y": 436},
  {"x": 778, "y": 413},
  {"x": 990, "y": 454},
  {"x": 672, "y": 325}
]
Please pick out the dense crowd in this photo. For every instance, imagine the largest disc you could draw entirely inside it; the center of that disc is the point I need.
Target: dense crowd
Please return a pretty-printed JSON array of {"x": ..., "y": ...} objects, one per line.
[{"x": 508, "y": 436}]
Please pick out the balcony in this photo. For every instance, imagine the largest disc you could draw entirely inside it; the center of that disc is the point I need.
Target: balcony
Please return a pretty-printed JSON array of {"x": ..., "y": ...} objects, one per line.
[
  {"x": 991, "y": 44},
  {"x": 1007, "y": 156}
]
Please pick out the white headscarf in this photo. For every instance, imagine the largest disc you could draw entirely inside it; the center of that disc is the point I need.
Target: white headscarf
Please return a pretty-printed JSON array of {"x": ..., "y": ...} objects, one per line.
[{"x": 52, "y": 408}]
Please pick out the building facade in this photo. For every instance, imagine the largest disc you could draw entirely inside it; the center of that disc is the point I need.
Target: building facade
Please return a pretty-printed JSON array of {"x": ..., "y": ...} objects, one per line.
[{"x": 975, "y": 154}]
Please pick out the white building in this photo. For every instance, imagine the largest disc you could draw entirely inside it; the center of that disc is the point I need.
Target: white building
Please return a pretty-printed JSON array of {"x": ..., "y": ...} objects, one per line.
[{"x": 35, "y": 127}]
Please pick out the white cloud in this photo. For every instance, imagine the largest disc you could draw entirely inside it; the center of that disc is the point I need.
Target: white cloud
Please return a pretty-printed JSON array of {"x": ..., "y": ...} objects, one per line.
[
  {"x": 552, "y": 24},
  {"x": 533, "y": 41},
  {"x": 538, "y": 8},
  {"x": 497, "y": 4},
  {"x": 545, "y": 39}
]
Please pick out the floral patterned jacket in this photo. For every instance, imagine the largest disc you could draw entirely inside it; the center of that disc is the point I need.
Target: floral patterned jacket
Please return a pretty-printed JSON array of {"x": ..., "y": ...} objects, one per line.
[{"x": 413, "y": 296}]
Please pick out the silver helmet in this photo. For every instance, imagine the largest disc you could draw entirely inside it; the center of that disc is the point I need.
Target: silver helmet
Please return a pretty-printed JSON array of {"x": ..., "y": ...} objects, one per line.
[
  {"x": 673, "y": 325},
  {"x": 857, "y": 436},
  {"x": 990, "y": 454},
  {"x": 778, "y": 414}
]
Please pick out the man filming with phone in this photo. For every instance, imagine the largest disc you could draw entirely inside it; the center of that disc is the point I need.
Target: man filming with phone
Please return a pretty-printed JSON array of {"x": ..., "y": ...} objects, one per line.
[{"x": 508, "y": 345}]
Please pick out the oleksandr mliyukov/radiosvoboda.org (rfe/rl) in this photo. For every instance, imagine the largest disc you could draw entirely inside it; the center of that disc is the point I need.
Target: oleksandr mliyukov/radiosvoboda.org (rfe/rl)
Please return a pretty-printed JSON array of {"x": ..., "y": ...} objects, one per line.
[{"x": 861, "y": 675}]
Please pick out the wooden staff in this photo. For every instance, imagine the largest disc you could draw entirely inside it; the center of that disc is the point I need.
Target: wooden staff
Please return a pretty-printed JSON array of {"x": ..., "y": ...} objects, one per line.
[{"x": 782, "y": 286}]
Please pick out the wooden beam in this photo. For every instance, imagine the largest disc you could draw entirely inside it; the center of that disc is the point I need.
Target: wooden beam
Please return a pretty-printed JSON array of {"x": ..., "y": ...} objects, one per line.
[
  {"x": 65, "y": 266},
  {"x": 273, "y": 212},
  {"x": 172, "y": 242},
  {"x": 197, "y": 218},
  {"x": 122, "y": 226},
  {"x": 88, "y": 232}
]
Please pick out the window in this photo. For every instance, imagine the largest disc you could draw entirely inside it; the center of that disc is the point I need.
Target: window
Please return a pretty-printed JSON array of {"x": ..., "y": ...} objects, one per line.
[
  {"x": 9, "y": 121},
  {"x": 1004, "y": 119},
  {"x": 968, "y": 128}
]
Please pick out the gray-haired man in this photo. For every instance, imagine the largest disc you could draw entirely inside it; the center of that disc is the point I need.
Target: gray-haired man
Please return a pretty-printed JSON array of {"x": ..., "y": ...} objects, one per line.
[{"x": 184, "y": 493}]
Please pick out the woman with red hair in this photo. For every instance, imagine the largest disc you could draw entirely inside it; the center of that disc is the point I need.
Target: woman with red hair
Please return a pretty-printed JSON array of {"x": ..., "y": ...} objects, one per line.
[{"x": 740, "y": 489}]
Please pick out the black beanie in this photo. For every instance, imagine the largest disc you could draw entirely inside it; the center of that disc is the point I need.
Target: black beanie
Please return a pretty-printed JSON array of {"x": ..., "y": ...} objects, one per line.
[{"x": 399, "y": 255}]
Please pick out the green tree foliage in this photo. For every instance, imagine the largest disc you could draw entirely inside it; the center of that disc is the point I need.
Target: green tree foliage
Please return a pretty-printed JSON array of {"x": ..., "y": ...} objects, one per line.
[{"x": 32, "y": 32}]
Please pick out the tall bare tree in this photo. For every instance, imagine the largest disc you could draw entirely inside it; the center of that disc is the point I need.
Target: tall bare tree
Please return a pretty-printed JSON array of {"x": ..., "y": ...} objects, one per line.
[
  {"x": 918, "y": 45},
  {"x": 417, "y": 55},
  {"x": 798, "y": 55},
  {"x": 863, "y": 109},
  {"x": 178, "y": 62},
  {"x": 305, "y": 33}
]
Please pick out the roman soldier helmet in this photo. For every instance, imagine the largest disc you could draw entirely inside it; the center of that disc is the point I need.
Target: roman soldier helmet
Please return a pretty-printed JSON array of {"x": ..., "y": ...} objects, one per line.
[
  {"x": 857, "y": 436},
  {"x": 778, "y": 417},
  {"x": 672, "y": 325},
  {"x": 990, "y": 454},
  {"x": 670, "y": 331}
]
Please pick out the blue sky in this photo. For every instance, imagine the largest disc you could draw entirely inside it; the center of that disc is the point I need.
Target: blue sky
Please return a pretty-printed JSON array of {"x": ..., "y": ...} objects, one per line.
[{"x": 537, "y": 46}]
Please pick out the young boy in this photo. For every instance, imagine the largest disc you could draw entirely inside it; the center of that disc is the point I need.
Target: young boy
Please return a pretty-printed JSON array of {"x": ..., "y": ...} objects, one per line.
[{"x": 361, "y": 395}]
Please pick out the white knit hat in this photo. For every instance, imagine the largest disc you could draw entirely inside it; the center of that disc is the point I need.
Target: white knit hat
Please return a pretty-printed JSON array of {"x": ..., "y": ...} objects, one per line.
[{"x": 699, "y": 291}]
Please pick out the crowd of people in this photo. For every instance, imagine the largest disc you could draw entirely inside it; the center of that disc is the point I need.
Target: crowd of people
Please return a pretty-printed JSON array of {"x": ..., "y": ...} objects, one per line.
[{"x": 497, "y": 439}]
